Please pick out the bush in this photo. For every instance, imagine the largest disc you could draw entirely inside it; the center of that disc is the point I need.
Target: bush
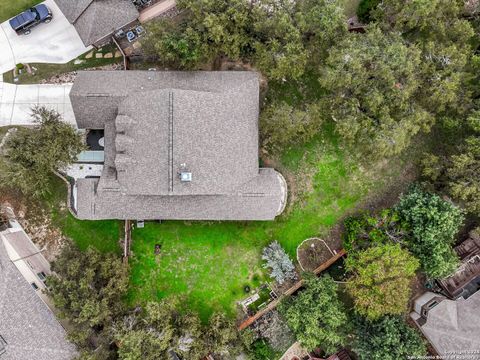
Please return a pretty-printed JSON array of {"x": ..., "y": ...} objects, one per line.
[{"x": 279, "y": 262}]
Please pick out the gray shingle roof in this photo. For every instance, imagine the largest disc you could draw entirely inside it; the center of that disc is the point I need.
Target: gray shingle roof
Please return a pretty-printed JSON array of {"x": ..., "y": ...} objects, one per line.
[
  {"x": 96, "y": 19},
  {"x": 453, "y": 326},
  {"x": 27, "y": 325},
  {"x": 157, "y": 123}
]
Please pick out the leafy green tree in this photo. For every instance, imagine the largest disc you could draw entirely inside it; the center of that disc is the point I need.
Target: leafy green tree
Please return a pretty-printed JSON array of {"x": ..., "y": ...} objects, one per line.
[
  {"x": 365, "y": 10},
  {"x": 457, "y": 173},
  {"x": 372, "y": 82},
  {"x": 381, "y": 279},
  {"x": 388, "y": 338},
  {"x": 87, "y": 288},
  {"x": 323, "y": 23},
  {"x": 180, "y": 47},
  {"x": 433, "y": 224},
  {"x": 282, "y": 126},
  {"x": 316, "y": 315},
  {"x": 441, "y": 21},
  {"x": 32, "y": 155},
  {"x": 279, "y": 49},
  {"x": 362, "y": 232},
  {"x": 222, "y": 25},
  {"x": 221, "y": 336},
  {"x": 156, "y": 330},
  {"x": 441, "y": 32}
]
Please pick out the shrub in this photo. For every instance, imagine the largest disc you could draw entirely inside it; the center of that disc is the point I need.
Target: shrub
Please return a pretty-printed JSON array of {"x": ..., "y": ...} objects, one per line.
[{"x": 279, "y": 262}]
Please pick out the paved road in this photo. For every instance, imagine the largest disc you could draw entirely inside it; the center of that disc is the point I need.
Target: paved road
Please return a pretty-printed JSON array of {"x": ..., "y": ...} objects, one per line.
[
  {"x": 16, "y": 102},
  {"x": 57, "y": 42}
]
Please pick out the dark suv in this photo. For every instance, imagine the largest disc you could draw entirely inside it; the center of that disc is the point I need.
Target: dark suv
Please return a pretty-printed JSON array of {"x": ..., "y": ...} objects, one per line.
[{"x": 26, "y": 20}]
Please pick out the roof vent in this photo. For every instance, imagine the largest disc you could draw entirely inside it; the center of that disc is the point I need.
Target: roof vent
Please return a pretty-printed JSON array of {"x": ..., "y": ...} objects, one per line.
[{"x": 184, "y": 174}]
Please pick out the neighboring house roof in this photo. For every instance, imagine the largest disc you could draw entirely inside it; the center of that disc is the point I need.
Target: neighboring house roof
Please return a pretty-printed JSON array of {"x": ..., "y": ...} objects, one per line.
[
  {"x": 97, "y": 19},
  {"x": 29, "y": 328},
  {"x": 466, "y": 279},
  {"x": 158, "y": 124},
  {"x": 451, "y": 326}
]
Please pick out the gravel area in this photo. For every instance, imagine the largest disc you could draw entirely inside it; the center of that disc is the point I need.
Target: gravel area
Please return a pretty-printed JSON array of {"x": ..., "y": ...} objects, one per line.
[{"x": 70, "y": 76}]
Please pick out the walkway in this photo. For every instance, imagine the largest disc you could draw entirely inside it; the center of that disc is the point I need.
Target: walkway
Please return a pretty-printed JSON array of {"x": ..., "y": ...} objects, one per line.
[
  {"x": 158, "y": 9},
  {"x": 16, "y": 102},
  {"x": 56, "y": 42}
]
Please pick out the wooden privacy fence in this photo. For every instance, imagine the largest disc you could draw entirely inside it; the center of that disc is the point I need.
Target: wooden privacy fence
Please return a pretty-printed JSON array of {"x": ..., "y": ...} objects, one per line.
[{"x": 272, "y": 305}]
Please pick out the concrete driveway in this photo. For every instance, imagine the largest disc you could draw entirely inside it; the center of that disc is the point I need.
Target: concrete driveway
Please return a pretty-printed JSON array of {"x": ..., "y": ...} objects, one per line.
[
  {"x": 56, "y": 42},
  {"x": 16, "y": 102}
]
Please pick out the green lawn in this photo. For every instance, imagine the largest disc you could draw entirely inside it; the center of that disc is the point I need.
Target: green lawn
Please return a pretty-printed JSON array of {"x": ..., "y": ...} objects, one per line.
[
  {"x": 10, "y": 8},
  {"x": 208, "y": 264},
  {"x": 104, "y": 235},
  {"x": 45, "y": 71}
]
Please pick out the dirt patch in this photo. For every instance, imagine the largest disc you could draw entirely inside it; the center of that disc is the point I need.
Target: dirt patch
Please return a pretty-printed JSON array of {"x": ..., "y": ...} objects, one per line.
[
  {"x": 313, "y": 252},
  {"x": 36, "y": 223}
]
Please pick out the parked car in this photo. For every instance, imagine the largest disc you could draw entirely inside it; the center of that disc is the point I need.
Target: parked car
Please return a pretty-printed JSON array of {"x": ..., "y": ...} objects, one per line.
[{"x": 23, "y": 22}]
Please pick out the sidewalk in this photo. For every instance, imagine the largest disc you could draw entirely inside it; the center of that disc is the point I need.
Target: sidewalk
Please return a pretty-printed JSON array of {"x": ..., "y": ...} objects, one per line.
[
  {"x": 156, "y": 10},
  {"x": 16, "y": 102}
]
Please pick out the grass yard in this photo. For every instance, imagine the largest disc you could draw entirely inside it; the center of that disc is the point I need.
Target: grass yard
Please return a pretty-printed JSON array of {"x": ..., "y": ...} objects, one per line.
[
  {"x": 10, "y": 8},
  {"x": 207, "y": 264},
  {"x": 45, "y": 71},
  {"x": 104, "y": 235}
]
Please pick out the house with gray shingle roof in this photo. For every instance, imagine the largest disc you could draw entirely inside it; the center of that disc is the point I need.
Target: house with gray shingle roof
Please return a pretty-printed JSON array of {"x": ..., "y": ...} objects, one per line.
[
  {"x": 28, "y": 329},
  {"x": 451, "y": 326},
  {"x": 97, "y": 20},
  {"x": 176, "y": 145}
]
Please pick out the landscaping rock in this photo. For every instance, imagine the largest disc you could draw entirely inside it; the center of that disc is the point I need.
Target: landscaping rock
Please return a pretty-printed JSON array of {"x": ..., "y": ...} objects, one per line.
[
  {"x": 118, "y": 54},
  {"x": 78, "y": 61},
  {"x": 89, "y": 55},
  {"x": 99, "y": 55},
  {"x": 70, "y": 77},
  {"x": 108, "y": 56}
]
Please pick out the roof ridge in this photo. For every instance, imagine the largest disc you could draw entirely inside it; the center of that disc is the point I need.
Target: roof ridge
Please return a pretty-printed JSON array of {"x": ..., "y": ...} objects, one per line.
[{"x": 170, "y": 141}]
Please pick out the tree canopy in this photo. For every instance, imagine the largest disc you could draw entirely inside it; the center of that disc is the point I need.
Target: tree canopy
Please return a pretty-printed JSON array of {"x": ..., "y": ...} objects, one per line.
[
  {"x": 87, "y": 288},
  {"x": 433, "y": 224},
  {"x": 372, "y": 82},
  {"x": 32, "y": 155},
  {"x": 388, "y": 338},
  {"x": 457, "y": 172},
  {"x": 316, "y": 315},
  {"x": 282, "y": 126},
  {"x": 364, "y": 231},
  {"x": 151, "y": 333},
  {"x": 381, "y": 279},
  {"x": 280, "y": 37}
]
